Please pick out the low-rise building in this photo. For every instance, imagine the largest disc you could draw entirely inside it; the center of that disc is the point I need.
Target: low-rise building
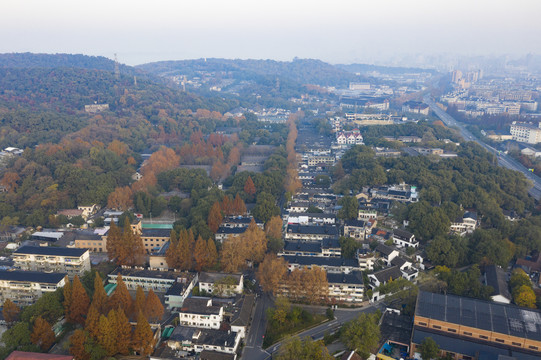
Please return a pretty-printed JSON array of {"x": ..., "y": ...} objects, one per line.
[
  {"x": 347, "y": 288},
  {"x": 329, "y": 264},
  {"x": 524, "y": 132},
  {"x": 176, "y": 285},
  {"x": 387, "y": 253},
  {"x": 225, "y": 233},
  {"x": 403, "y": 238},
  {"x": 221, "y": 284},
  {"x": 93, "y": 241},
  {"x": 465, "y": 327},
  {"x": 199, "y": 340},
  {"x": 52, "y": 259},
  {"x": 311, "y": 218},
  {"x": 495, "y": 277},
  {"x": 382, "y": 277},
  {"x": 201, "y": 313},
  {"x": 25, "y": 287},
  {"x": 467, "y": 224},
  {"x": 366, "y": 259},
  {"x": 357, "y": 229},
  {"x": 154, "y": 239},
  {"x": 311, "y": 232}
]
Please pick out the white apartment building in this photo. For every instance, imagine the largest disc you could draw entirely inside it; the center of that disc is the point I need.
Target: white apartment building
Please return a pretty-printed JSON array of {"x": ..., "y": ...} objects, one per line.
[
  {"x": 201, "y": 313},
  {"x": 25, "y": 287},
  {"x": 52, "y": 259},
  {"x": 527, "y": 133},
  {"x": 221, "y": 284}
]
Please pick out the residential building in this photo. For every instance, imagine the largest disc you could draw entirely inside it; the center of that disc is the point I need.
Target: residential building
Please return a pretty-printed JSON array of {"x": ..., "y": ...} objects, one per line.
[
  {"x": 366, "y": 259},
  {"x": 382, "y": 277},
  {"x": 329, "y": 264},
  {"x": 221, "y": 284},
  {"x": 357, "y": 229},
  {"x": 467, "y": 224},
  {"x": 201, "y": 313},
  {"x": 49, "y": 236},
  {"x": 176, "y": 285},
  {"x": 415, "y": 107},
  {"x": 25, "y": 287},
  {"x": 311, "y": 232},
  {"x": 403, "y": 238},
  {"x": 239, "y": 222},
  {"x": 525, "y": 132},
  {"x": 26, "y": 355},
  {"x": 154, "y": 239},
  {"x": 225, "y": 233},
  {"x": 325, "y": 247},
  {"x": 401, "y": 193},
  {"x": 365, "y": 214},
  {"x": 496, "y": 277},
  {"x": 311, "y": 218},
  {"x": 201, "y": 340},
  {"x": 466, "y": 327},
  {"x": 52, "y": 259},
  {"x": 347, "y": 288},
  {"x": 387, "y": 253},
  {"x": 93, "y": 241},
  {"x": 240, "y": 313},
  {"x": 315, "y": 160}
]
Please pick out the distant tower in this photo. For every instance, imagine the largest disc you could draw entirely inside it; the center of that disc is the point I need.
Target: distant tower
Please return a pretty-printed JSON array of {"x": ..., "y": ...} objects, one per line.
[
  {"x": 184, "y": 83},
  {"x": 134, "y": 80},
  {"x": 117, "y": 69},
  {"x": 277, "y": 84}
]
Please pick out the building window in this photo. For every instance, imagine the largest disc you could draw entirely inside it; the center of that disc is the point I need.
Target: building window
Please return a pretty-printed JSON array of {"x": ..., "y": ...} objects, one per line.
[
  {"x": 436, "y": 326},
  {"x": 483, "y": 337},
  {"x": 451, "y": 330},
  {"x": 533, "y": 347},
  {"x": 516, "y": 344},
  {"x": 500, "y": 340},
  {"x": 467, "y": 333}
]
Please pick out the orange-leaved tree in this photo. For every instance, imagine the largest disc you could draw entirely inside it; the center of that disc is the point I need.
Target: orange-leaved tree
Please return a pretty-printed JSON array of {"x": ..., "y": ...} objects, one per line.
[
  {"x": 79, "y": 303},
  {"x": 142, "y": 340},
  {"x": 10, "y": 311},
  {"x": 42, "y": 334},
  {"x": 153, "y": 307},
  {"x": 271, "y": 273}
]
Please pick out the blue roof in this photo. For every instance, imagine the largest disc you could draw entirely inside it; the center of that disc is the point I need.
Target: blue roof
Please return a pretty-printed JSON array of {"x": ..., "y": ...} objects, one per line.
[{"x": 50, "y": 250}]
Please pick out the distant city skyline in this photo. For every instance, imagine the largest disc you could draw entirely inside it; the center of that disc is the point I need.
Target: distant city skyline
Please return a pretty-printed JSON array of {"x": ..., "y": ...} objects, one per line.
[{"x": 342, "y": 32}]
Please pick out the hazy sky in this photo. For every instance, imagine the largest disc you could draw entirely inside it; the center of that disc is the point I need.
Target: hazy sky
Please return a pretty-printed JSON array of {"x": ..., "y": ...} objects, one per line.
[{"x": 335, "y": 31}]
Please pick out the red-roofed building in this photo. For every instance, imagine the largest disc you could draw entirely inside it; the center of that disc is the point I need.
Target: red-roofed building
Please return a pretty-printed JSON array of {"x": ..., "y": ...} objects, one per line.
[{"x": 23, "y": 355}]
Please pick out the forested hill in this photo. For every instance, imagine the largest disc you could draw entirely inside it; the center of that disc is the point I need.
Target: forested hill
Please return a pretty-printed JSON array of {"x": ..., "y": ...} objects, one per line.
[
  {"x": 43, "y": 103},
  {"x": 31, "y": 60},
  {"x": 303, "y": 71}
]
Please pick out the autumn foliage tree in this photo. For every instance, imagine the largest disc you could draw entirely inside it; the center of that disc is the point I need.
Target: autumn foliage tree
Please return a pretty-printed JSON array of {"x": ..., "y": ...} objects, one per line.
[
  {"x": 233, "y": 254},
  {"x": 180, "y": 251},
  {"x": 142, "y": 340},
  {"x": 92, "y": 321},
  {"x": 78, "y": 306},
  {"x": 205, "y": 253},
  {"x": 153, "y": 307},
  {"x": 215, "y": 217},
  {"x": 254, "y": 242},
  {"x": 10, "y": 311},
  {"x": 42, "y": 334},
  {"x": 308, "y": 284},
  {"x": 107, "y": 334},
  {"x": 120, "y": 199},
  {"x": 239, "y": 207},
  {"x": 249, "y": 187},
  {"x": 99, "y": 299},
  {"x": 77, "y": 345},
  {"x": 273, "y": 227},
  {"x": 121, "y": 298},
  {"x": 126, "y": 247},
  {"x": 271, "y": 273}
]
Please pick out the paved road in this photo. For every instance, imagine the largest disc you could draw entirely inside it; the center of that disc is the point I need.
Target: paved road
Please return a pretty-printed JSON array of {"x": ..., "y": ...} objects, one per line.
[
  {"x": 341, "y": 316},
  {"x": 503, "y": 159},
  {"x": 254, "y": 339}
]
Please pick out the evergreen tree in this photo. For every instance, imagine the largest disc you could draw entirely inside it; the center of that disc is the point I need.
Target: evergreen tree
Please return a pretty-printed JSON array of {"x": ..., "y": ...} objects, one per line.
[
  {"x": 142, "y": 336},
  {"x": 79, "y": 303},
  {"x": 42, "y": 334}
]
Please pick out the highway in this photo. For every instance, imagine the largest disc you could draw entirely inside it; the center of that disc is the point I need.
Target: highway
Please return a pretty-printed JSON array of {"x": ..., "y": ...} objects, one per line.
[{"x": 504, "y": 160}]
